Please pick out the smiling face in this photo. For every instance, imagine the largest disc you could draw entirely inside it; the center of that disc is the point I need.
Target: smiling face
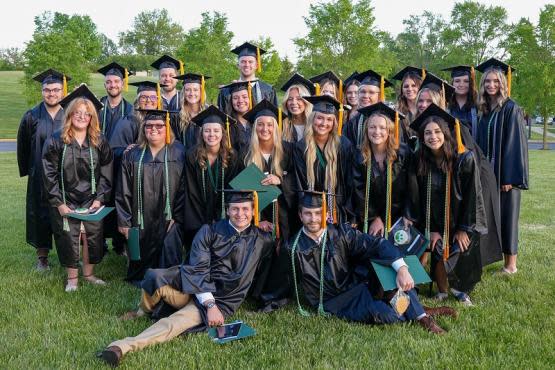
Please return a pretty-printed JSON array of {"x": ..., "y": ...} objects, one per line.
[
  {"x": 240, "y": 214},
  {"x": 212, "y": 134},
  {"x": 352, "y": 95},
  {"x": 265, "y": 128},
  {"x": 323, "y": 123},
  {"x": 409, "y": 89},
  {"x": 424, "y": 100},
  {"x": 295, "y": 102},
  {"x": 52, "y": 93},
  {"x": 113, "y": 85},
  {"x": 433, "y": 136},
  {"x": 378, "y": 132},
  {"x": 311, "y": 219},
  {"x": 368, "y": 95},
  {"x": 167, "y": 78},
  {"x": 461, "y": 84},
  {"x": 191, "y": 92},
  {"x": 148, "y": 100},
  {"x": 247, "y": 66},
  {"x": 240, "y": 101},
  {"x": 81, "y": 117},
  {"x": 155, "y": 132},
  {"x": 492, "y": 84},
  {"x": 328, "y": 88}
]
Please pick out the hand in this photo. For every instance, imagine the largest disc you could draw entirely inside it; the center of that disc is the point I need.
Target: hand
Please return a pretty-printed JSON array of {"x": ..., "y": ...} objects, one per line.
[
  {"x": 376, "y": 227},
  {"x": 407, "y": 222},
  {"x": 404, "y": 279},
  {"x": 124, "y": 231},
  {"x": 506, "y": 188},
  {"x": 64, "y": 210},
  {"x": 129, "y": 147},
  {"x": 462, "y": 238},
  {"x": 271, "y": 180},
  {"x": 266, "y": 226},
  {"x": 214, "y": 316},
  {"x": 95, "y": 205},
  {"x": 434, "y": 237},
  {"x": 170, "y": 225}
]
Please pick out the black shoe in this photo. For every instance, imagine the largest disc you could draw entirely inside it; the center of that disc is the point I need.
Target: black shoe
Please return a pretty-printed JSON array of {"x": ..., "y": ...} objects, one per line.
[{"x": 112, "y": 355}]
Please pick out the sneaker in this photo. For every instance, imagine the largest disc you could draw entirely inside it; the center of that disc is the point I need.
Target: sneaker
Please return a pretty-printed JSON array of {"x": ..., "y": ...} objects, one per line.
[
  {"x": 463, "y": 298},
  {"x": 94, "y": 280},
  {"x": 71, "y": 287},
  {"x": 42, "y": 264},
  {"x": 440, "y": 297}
]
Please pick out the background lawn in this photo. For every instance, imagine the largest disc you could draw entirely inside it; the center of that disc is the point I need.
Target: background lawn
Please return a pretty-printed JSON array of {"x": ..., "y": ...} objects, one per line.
[{"x": 511, "y": 326}]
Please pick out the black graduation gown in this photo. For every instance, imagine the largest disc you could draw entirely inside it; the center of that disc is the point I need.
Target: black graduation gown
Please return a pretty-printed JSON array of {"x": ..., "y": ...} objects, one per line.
[
  {"x": 294, "y": 136},
  {"x": 346, "y": 292},
  {"x": 355, "y": 129},
  {"x": 467, "y": 213},
  {"x": 174, "y": 104},
  {"x": 378, "y": 188},
  {"x": 467, "y": 115},
  {"x": 204, "y": 207},
  {"x": 78, "y": 190},
  {"x": 265, "y": 90},
  {"x": 344, "y": 177},
  {"x": 240, "y": 136},
  {"x": 222, "y": 261},
  {"x": 36, "y": 126},
  {"x": 159, "y": 247},
  {"x": 188, "y": 137}
]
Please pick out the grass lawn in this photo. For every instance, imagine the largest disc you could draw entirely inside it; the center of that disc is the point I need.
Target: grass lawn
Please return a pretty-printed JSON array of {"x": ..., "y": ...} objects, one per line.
[{"x": 511, "y": 326}]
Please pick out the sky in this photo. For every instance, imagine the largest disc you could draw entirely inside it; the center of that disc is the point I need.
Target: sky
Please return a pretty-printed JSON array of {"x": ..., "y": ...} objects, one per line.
[{"x": 280, "y": 20}]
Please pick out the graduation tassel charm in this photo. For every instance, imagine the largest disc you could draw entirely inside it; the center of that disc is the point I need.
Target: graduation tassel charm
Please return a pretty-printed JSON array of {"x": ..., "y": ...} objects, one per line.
[
  {"x": 181, "y": 68},
  {"x": 258, "y": 61},
  {"x": 126, "y": 81},
  {"x": 460, "y": 146},
  {"x": 340, "y": 120},
  {"x": 382, "y": 88},
  {"x": 509, "y": 80},
  {"x": 317, "y": 88},
  {"x": 64, "y": 85},
  {"x": 159, "y": 96},
  {"x": 168, "y": 136},
  {"x": 256, "y": 215},
  {"x": 202, "y": 92}
]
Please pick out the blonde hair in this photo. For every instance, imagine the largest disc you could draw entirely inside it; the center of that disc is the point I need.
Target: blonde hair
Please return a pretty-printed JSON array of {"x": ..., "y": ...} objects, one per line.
[
  {"x": 391, "y": 146},
  {"x": 484, "y": 100},
  {"x": 335, "y": 88},
  {"x": 287, "y": 133},
  {"x": 186, "y": 113},
  {"x": 93, "y": 130},
  {"x": 254, "y": 155},
  {"x": 437, "y": 98},
  {"x": 330, "y": 152},
  {"x": 142, "y": 140}
]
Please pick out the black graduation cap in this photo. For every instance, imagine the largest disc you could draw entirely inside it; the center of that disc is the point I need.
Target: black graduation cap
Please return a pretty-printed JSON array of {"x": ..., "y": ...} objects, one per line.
[
  {"x": 494, "y": 63},
  {"x": 146, "y": 86},
  {"x": 237, "y": 86},
  {"x": 115, "y": 69},
  {"x": 315, "y": 199},
  {"x": 452, "y": 122},
  {"x": 212, "y": 115},
  {"x": 460, "y": 70},
  {"x": 243, "y": 195},
  {"x": 51, "y": 76},
  {"x": 370, "y": 77},
  {"x": 323, "y": 103},
  {"x": 298, "y": 79},
  {"x": 159, "y": 115},
  {"x": 248, "y": 49},
  {"x": 166, "y": 61},
  {"x": 419, "y": 72},
  {"x": 82, "y": 92},
  {"x": 192, "y": 77},
  {"x": 349, "y": 80},
  {"x": 435, "y": 83},
  {"x": 329, "y": 75},
  {"x": 264, "y": 108}
]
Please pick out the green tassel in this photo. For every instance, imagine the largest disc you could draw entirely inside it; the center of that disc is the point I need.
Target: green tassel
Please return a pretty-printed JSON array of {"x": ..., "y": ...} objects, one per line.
[{"x": 168, "y": 209}]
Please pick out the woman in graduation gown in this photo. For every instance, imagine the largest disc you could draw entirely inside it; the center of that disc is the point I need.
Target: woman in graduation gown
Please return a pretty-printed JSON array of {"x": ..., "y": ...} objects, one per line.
[
  {"x": 411, "y": 79},
  {"x": 447, "y": 203},
  {"x": 327, "y": 83},
  {"x": 192, "y": 103},
  {"x": 241, "y": 102},
  {"x": 380, "y": 172},
  {"x": 150, "y": 196},
  {"x": 296, "y": 110},
  {"x": 350, "y": 94},
  {"x": 462, "y": 104},
  {"x": 209, "y": 166},
  {"x": 323, "y": 159},
  {"x": 77, "y": 165},
  {"x": 501, "y": 135}
]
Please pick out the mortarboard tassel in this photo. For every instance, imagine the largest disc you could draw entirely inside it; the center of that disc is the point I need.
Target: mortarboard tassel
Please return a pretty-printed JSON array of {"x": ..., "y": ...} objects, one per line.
[
  {"x": 167, "y": 127},
  {"x": 159, "y": 96},
  {"x": 473, "y": 78},
  {"x": 341, "y": 91},
  {"x": 334, "y": 211},
  {"x": 324, "y": 211},
  {"x": 340, "y": 120},
  {"x": 423, "y": 74},
  {"x": 276, "y": 221},
  {"x": 509, "y": 81},
  {"x": 382, "y": 88},
  {"x": 460, "y": 146},
  {"x": 181, "y": 68},
  {"x": 280, "y": 119},
  {"x": 202, "y": 91},
  {"x": 396, "y": 129},
  {"x": 258, "y": 61},
  {"x": 228, "y": 134},
  {"x": 126, "y": 80},
  {"x": 317, "y": 88},
  {"x": 64, "y": 85},
  {"x": 256, "y": 216},
  {"x": 249, "y": 90}
]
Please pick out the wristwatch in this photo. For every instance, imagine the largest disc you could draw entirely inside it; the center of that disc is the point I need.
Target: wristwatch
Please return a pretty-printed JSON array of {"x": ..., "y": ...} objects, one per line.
[{"x": 209, "y": 304}]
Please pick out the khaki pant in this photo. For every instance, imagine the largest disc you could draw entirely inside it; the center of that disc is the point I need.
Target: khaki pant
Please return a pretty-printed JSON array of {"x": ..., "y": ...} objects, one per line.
[{"x": 167, "y": 328}]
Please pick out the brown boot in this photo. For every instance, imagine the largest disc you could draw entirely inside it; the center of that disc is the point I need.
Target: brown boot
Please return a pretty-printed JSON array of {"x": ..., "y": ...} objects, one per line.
[
  {"x": 441, "y": 311},
  {"x": 112, "y": 355},
  {"x": 430, "y": 325}
]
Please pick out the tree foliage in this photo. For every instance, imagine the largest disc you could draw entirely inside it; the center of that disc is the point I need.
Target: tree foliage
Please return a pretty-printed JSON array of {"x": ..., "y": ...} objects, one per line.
[{"x": 11, "y": 59}]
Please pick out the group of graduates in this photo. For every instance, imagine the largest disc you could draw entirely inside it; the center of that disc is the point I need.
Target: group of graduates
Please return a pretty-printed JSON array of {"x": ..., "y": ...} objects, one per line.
[{"x": 449, "y": 159}]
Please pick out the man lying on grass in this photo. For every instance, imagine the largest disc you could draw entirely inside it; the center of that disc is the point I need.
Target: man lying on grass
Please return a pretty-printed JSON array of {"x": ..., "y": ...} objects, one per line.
[
  {"x": 221, "y": 267},
  {"x": 327, "y": 261}
]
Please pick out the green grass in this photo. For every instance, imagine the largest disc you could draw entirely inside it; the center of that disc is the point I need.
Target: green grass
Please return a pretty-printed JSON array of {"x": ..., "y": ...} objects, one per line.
[
  {"x": 512, "y": 325},
  {"x": 539, "y": 136}
]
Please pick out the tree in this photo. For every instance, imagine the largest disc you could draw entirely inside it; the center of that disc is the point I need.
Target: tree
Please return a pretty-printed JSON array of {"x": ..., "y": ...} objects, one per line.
[
  {"x": 206, "y": 50},
  {"x": 287, "y": 70},
  {"x": 153, "y": 33},
  {"x": 109, "y": 48},
  {"x": 11, "y": 59},
  {"x": 63, "y": 42},
  {"x": 271, "y": 63},
  {"x": 532, "y": 49},
  {"x": 342, "y": 37}
]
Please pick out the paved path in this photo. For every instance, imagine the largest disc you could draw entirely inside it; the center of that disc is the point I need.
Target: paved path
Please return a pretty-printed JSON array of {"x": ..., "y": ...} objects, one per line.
[{"x": 539, "y": 130}]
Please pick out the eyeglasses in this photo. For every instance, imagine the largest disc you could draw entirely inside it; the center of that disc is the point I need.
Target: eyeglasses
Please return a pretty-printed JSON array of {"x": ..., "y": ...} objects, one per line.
[
  {"x": 152, "y": 98},
  {"x": 51, "y": 91},
  {"x": 82, "y": 114},
  {"x": 158, "y": 127}
]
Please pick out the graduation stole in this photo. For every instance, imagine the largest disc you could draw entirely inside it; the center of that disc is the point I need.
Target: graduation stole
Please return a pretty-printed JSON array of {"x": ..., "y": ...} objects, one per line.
[
  {"x": 388, "y": 200},
  {"x": 140, "y": 172},
  {"x": 93, "y": 180},
  {"x": 275, "y": 207},
  {"x": 321, "y": 310},
  {"x": 331, "y": 199},
  {"x": 214, "y": 181},
  {"x": 360, "y": 130},
  {"x": 104, "y": 114},
  {"x": 446, "y": 210},
  {"x": 489, "y": 152}
]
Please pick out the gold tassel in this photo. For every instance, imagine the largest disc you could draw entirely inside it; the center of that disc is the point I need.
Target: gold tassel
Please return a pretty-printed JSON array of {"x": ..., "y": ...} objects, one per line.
[
  {"x": 324, "y": 211},
  {"x": 396, "y": 129},
  {"x": 460, "y": 146},
  {"x": 159, "y": 96},
  {"x": 334, "y": 212},
  {"x": 126, "y": 81},
  {"x": 280, "y": 119},
  {"x": 258, "y": 61},
  {"x": 317, "y": 88},
  {"x": 509, "y": 81},
  {"x": 167, "y": 127},
  {"x": 340, "y": 119},
  {"x": 181, "y": 68},
  {"x": 65, "y": 85},
  {"x": 249, "y": 90},
  {"x": 423, "y": 74},
  {"x": 341, "y": 91},
  {"x": 256, "y": 216},
  {"x": 473, "y": 77},
  {"x": 276, "y": 226},
  {"x": 382, "y": 88},
  {"x": 228, "y": 134},
  {"x": 202, "y": 92}
]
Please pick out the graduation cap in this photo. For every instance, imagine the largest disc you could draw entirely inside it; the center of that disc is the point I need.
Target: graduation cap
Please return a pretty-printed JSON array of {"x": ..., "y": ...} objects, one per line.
[
  {"x": 264, "y": 108},
  {"x": 195, "y": 78},
  {"x": 493, "y": 63},
  {"x": 213, "y": 115},
  {"x": 115, "y": 69},
  {"x": 413, "y": 71},
  {"x": 463, "y": 70},
  {"x": 315, "y": 199},
  {"x": 243, "y": 195},
  {"x": 435, "y": 83},
  {"x": 240, "y": 86},
  {"x": 51, "y": 76},
  {"x": 146, "y": 85},
  {"x": 158, "y": 115},
  {"x": 350, "y": 80},
  {"x": 386, "y": 110},
  {"x": 320, "y": 79},
  {"x": 372, "y": 78},
  {"x": 249, "y": 50},
  {"x": 328, "y": 105},
  {"x": 82, "y": 92},
  {"x": 166, "y": 61},
  {"x": 453, "y": 123},
  {"x": 298, "y": 79}
]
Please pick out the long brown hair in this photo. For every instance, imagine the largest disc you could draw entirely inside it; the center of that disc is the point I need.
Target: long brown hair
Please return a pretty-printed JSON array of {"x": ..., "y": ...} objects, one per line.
[
  {"x": 224, "y": 153},
  {"x": 391, "y": 145},
  {"x": 93, "y": 129},
  {"x": 254, "y": 155},
  {"x": 484, "y": 100},
  {"x": 142, "y": 140},
  {"x": 402, "y": 103},
  {"x": 426, "y": 157},
  {"x": 471, "y": 95}
]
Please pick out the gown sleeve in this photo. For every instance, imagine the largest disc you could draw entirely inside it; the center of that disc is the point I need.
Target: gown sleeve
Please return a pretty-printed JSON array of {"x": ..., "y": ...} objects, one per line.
[
  {"x": 366, "y": 247},
  {"x": 195, "y": 274},
  {"x": 514, "y": 148},
  {"x": 104, "y": 187},
  {"x": 468, "y": 193},
  {"x": 124, "y": 192},
  {"x": 24, "y": 144},
  {"x": 51, "y": 175}
]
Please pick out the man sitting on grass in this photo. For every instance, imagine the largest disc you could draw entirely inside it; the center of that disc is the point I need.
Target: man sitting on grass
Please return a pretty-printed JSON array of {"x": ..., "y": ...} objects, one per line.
[
  {"x": 224, "y": 259},
  {"x": 326, "y": 263}
]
